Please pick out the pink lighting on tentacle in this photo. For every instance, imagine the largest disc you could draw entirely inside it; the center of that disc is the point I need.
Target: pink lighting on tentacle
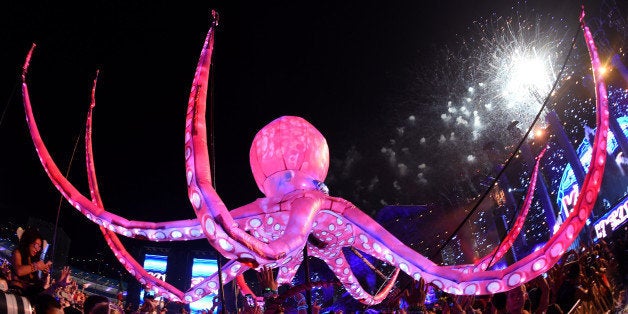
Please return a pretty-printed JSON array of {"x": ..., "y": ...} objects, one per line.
[
  {"x": 84, "y": 205},
  {"x": 288, "y": 269},
  {"x": 496, "y": 254},
  {"x": 532, "y": 265},
  {"x": 129, "y": 263},
  {"x": 216, "y": 220}
]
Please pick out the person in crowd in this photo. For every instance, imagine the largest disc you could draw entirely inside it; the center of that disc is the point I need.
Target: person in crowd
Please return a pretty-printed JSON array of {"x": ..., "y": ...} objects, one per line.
[
  {"x": 26, "y": 264},
  {"x": 516, "y": 299},
  {"x": 96, "y": 304},
  {"x": 150, "y": 305},
  {"x": 498, "y": 303},
  {"x": 415, "y": 296},
  {"x": 47, "y": 304},
  {"x": 538, "y": 295},
  {"x": 5, "y": 276},
  {"x": 571, "y": 289},
  {"x": 272, "y": 303}
]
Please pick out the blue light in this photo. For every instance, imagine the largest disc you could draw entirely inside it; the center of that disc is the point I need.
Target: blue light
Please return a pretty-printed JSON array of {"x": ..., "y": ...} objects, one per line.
[
  {"x": 201, "y": 269},
  {"x": 156, "y": 263}
]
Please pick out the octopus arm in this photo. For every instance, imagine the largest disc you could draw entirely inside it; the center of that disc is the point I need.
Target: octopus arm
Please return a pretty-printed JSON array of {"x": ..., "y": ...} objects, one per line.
[
  {"x": 370, "y": 234},
  {"x": 155, "y": 231},
  {"x": 161, "y": 287},
  {"x": 497, "y": 253},
  {"x": 339, "y": 265},
  {"x": 301, "y": 213},
  {"x": 175, "y": 231},
  {"x": 108, "y": 222},
  {"x": 211, "y": 284},
  {"x": 128, "y": 262},
  {"x": 217, "y": 223},
  {"x": 289, "y": 268}
]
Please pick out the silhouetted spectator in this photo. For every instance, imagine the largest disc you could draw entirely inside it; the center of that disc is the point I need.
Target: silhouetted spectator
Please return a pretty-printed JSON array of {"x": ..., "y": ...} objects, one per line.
[
  {"x": 571, "y": 290},
  {"x": 47, "y": 304},
  {"x": 96, "y": 304}
]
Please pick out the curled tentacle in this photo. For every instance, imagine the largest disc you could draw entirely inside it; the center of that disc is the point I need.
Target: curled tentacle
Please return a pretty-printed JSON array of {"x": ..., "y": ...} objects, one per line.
[
  {"x": 128, "y": 262},
  {"x": 368, "y": 236},
  {"x": 216, "y": 221},
  {"x": 210, "y": 285},
  {"x": 497, "y": 253},
  {"x": 339, "y": 265},
  {"x": 154, "y": 231},
  {"x": 288, "y": 269},
  {"x": 524, "y": 270}
]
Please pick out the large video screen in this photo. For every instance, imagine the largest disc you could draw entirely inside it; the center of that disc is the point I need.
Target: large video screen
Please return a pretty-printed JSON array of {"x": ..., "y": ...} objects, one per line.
[
  {"x": 156, "y": 266},
  {"x": 613, "y": 185},
  {"x": 202, "y": 268}
]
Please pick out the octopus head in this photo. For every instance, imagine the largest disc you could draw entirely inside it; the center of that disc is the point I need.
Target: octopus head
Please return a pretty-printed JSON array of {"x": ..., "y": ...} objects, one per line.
[{"x": 289, "y": 154}]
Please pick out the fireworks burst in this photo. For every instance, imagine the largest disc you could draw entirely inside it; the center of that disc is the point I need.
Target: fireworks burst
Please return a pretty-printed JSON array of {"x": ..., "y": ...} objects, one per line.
[
  {"x": 502, "y": 72},
  {"x": 464, "y": 113}
]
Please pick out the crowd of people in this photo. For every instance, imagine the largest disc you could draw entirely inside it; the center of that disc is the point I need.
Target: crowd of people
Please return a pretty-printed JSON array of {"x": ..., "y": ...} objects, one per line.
[{"x": 590, "y": 279}]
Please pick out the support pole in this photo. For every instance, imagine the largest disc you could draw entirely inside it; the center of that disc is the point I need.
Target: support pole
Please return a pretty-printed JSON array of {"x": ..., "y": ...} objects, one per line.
[
  {"x": 308, "y": 282},
  {"x": 221, "y": 291}
]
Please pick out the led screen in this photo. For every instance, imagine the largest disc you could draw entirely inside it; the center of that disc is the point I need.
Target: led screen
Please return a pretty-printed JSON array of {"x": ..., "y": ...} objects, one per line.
[
  {"x": 156, "y": 266},
  {"x": 202, "y": 268},
  {"x": 614, "y": 182}
]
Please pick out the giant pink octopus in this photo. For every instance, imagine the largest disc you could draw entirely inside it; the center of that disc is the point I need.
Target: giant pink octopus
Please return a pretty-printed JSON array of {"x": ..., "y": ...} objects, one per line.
[{"x": 289, "y": 158}]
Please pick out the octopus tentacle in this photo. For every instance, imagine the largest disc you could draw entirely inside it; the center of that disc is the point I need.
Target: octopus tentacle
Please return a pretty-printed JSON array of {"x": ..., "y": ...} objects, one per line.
[
  {"x": 161, "y": 287},
  {"x": 524, "y": 270},
  {"x": 289, "y": 268},
  {"x": 339, "y": 265},
  {"x": 216, "y": 221},
  {"x": 155, "y": 231},
  {"x": 497, "y": 253},
  {"x": 335, "y": 232},
  {"x": 118, "y": 249},
  {"x": 94, "y": 190},
  {"x": 173, "y": 234},
  {"x": 210, "y": 285}
]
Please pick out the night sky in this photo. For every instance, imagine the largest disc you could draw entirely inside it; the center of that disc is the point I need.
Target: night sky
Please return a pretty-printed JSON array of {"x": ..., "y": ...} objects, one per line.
[{"x": 345, "y": 66}]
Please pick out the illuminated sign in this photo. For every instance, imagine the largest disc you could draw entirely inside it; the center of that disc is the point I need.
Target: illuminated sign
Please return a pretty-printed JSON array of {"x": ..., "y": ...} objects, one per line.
[
  {"x": 613, "y": 218},
  {"x": 568, "y": 190},
  {"x": 201, "y": 269}
]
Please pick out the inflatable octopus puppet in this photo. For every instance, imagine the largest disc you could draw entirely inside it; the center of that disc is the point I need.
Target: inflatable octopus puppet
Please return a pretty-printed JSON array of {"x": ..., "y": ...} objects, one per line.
[{"x": 289, "y": 158}]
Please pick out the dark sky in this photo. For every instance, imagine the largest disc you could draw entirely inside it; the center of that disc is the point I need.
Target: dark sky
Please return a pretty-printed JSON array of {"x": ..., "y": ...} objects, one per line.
[{"x": 336, "y": 63}]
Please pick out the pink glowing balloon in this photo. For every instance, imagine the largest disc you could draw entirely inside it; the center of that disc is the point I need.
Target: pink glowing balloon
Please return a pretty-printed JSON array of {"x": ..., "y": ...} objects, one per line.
[{"x": 287, "y": 154}]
